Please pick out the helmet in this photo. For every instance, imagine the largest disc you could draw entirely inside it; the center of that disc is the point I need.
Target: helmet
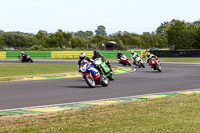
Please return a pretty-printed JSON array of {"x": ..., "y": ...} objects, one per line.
[
  {"x": 82, "y": 56},
  {"x": 22, "y": 52},
  {"x": 119, "y": 51},
  {"x": 96, "y": 52},
  {"x": 148, "y": 54},
  {"x": 132, "y": 52}
]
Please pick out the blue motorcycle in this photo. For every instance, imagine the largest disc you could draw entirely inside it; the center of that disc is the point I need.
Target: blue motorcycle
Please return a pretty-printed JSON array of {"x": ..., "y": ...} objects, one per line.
[{"x": 91, "y": 75}]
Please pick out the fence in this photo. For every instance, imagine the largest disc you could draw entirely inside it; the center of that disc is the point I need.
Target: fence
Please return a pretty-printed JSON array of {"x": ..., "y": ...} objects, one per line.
[
  {"x": 34, "y": 54},
  {"x": 113, "y": 54},
  {"x": 69, "y": 54},
  {"x": 61, "y": 54}
]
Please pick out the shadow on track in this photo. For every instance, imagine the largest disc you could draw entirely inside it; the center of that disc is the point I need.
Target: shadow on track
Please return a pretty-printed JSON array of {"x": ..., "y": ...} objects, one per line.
[{"x": 83, "y": 87}]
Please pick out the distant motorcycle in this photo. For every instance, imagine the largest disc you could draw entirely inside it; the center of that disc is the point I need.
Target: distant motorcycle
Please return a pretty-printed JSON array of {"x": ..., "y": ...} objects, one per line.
[
  {"x": 138, "y": 62},
  {"x": 25, "y": 58},
  {"x": 124, "y": 60},
  {"x": 155, "y": 64},
  {"x": 87, "y": 71}
]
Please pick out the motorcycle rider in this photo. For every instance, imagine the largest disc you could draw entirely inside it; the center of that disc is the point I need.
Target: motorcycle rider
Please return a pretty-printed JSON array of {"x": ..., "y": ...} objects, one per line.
[
  {"x": 94, "y": 71},
  {"x": 119, "y": 54},
  {"x": 134, "y": 56},
  {"x": 149, "y": 56},
  {"x": 98, "y": 55},
  {"x": 21, "y": 55}
]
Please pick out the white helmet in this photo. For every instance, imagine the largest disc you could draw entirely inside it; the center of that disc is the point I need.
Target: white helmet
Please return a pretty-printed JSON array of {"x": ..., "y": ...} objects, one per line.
[
  {"x": 82, "y": 56},
  {"x": 132, "y": 52}
]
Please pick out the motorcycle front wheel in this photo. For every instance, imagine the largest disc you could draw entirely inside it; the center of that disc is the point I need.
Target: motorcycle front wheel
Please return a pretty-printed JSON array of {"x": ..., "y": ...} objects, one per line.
[
  {"x": 90, "y": 81},
  {"x": 30, "y": 60},
  {"x": 142, "y": 65},
  {"x": 159, "y": 68}
]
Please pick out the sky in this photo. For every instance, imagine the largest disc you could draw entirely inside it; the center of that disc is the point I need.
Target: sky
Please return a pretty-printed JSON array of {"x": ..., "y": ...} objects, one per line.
[{"x": 135, "y": 16}]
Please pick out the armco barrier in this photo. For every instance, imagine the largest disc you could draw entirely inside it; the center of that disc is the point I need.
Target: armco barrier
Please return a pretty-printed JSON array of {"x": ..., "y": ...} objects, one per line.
[
  {"x": 113, "y": 54},
  {"x": 2, "y": 55},
  {"x": 177, "y": 53},
  {"x": 33, "y": 54},
  {"x": 69, "y": 54}
]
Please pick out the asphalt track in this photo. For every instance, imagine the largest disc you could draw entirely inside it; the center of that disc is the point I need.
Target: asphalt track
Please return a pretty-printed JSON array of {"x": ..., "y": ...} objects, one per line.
[{"x": 175, "y": 77}]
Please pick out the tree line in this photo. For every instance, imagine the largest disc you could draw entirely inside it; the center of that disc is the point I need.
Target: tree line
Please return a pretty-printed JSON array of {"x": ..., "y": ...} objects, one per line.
[{"x": 177, "y": 33}]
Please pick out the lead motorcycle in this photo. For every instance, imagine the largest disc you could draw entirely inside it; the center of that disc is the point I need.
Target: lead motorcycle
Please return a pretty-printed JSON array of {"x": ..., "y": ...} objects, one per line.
[
  {"x": 124, "y": 60},
  {"x": 103, "y": 67},
  {"x": 25, "y": 58},
  {"x": 155, "y": 64},
  {"x": 91, "y": 75}
]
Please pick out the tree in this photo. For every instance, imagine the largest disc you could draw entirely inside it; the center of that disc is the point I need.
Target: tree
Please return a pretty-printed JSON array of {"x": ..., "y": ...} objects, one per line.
[
  {"x": 176, "y": 33},
  {"x": 101, "y": 30},
  {"x": 42, "y": 38}
]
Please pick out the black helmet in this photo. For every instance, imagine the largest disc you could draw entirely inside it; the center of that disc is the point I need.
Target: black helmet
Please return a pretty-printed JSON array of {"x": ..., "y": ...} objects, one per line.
[
  {"x": 82, "y": 56},
  {"x": 96, "y": 52}
]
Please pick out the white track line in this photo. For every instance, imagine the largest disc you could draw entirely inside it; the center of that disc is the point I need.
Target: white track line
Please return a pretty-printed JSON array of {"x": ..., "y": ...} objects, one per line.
[{"x": 53, "y": 105}]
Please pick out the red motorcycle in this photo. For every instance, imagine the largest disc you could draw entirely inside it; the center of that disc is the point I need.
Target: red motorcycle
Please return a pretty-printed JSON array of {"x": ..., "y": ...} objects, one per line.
[
  {"x": 124, "y": 60},
  {"x": 155, "y": 64}
]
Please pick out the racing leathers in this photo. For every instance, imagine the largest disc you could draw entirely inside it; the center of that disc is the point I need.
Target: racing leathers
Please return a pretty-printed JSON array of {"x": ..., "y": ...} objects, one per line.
[
  {"x": 152, "y": 56},
  {"x": 118, "y": 57},
  {"x": 103, "y": 59},
  {"x": 134, "y": 56}
]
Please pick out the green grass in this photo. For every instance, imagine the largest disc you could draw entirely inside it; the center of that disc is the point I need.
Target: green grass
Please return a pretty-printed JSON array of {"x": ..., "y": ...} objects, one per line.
[
  {"x": 170, "y": 115},
  {"x": 9, "y": 70}
]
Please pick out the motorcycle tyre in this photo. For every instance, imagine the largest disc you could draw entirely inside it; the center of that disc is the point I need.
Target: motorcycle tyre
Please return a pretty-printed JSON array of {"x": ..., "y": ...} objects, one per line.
[
  {"x": 86, "y": 77},
  {"x": 142, "y": 65},
  {"x": 104, "y": 81},
  {"x": 30, "y": 60},
  {"x": 159, "y": 68},
  {"x": 111, "y": 77}
]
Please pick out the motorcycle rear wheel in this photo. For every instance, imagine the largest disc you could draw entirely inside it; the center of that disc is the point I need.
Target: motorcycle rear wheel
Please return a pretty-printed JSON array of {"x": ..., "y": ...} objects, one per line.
[
  {"x": 111, "y": 76},
  {"x": 104, "y": 81}
]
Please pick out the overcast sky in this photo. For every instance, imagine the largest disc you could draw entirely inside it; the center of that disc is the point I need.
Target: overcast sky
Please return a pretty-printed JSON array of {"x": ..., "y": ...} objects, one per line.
[{"x": 134, "y": 16}]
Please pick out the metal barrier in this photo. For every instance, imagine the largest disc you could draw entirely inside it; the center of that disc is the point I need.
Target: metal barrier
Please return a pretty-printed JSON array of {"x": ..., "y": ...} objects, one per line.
[{"x": 177, "y": 53}]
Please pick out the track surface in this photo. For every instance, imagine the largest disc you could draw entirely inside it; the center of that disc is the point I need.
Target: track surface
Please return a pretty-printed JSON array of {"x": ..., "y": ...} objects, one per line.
[{"x": 175, "y": 77}]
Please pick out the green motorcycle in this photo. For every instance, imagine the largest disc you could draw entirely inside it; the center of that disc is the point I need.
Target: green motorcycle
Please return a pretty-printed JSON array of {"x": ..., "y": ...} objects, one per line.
[{"x": 106, "y": 70}]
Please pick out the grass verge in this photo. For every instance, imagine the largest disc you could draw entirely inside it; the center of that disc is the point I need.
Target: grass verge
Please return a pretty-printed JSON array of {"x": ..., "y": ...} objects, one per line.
[
  {"x": 14, "y": 71},
  {"x": 169, "y": 114},
  {"x": 11, "y": 71}
]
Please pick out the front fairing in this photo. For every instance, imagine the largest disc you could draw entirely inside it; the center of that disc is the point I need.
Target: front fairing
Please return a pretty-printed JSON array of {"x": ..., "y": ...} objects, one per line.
[
  {"x": 84, "y": 66},
  {"x": 152, "y": 61}
]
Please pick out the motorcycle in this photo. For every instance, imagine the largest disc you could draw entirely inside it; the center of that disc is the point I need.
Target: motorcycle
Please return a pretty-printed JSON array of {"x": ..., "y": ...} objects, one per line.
[
  {"x": 155, "y": 64},
  {"x": 124, "y": 60},
  {"x": 25, "y": 58},
  {"x": 91, "y": 75},
  {"x": 103, "y": 67},
  {"x": 138, "y": 62}
]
